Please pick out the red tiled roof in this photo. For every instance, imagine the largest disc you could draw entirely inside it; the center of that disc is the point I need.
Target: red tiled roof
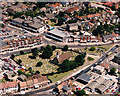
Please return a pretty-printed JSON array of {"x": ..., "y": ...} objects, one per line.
[
  {"x": 109, "y": 4},
  {"x": 64, "y": 56},
  {"x": 91, "y": 23},
  {"x": 116, "y": 6},
  {"x": 2, "y": 85},
  {"x": 97, "y": 14},
  {"x": 30, "y": 82},
  {"x": 23, "y": 84},
  {"x": 10, "y": 84},
  {"x": 71, "y": 9},
  {"x": 89, "y": 16},
  {"x": 66, "y": 16},
  {"x": 105, "y": 65},
  {"x": 45, "y": 78},
  {"x": 110, "y": 11},
  {"x": 35, "y": 81},
  {"x": 114, "y": 34},
  {"x": 40, "y": 79},
  {"x": 75, "y": 8}
]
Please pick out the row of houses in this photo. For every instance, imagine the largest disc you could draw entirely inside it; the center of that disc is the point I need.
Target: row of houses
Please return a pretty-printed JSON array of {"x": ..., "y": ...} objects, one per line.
[
  {"x": 21, "y": 42},
  {"x": 15, "y": 86},
  {"x": 35, "y": 82},
  {"x": 25, "y": 41}
]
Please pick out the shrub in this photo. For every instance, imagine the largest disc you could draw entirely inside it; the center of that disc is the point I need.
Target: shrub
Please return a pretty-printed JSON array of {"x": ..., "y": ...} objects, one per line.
[
  {"x": 65, "y": 48},
  {"x": 39, "y": 64},
  {"x": 21, "y": 52},
  {"x": 92, "y": 49},
  {"x": 90, "y": 58}
]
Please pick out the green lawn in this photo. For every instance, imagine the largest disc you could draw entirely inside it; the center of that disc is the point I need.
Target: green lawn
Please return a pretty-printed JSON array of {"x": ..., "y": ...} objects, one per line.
[
  {"x": 106, "y": 47},
  {"x": 57, "y": 77}
]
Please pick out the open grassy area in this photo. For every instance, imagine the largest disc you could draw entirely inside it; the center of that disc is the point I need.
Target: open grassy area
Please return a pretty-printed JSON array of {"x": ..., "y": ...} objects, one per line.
[
  {"x": 46, "y": 67},
  {"x": 57, "y": 77},
  {"x": 104, "y": 48}
]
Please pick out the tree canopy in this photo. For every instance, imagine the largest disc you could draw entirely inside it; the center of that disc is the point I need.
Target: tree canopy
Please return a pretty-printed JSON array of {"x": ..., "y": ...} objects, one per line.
[
  {"x": 35, "y": 52},
  {"x": 65, "y": 48},
  {"x": 47, "y": 52},
  {"x": 80, "y": 93}
]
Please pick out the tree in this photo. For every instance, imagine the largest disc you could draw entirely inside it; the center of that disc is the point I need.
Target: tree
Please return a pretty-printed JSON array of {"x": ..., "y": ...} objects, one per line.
[
  {"x": 53, "y": 47},
  {"x": 35, "y": 52},
  {"x": 112, "y": 71},
  {"x": 80, "y": 93},
  {"x": 37, "y": 72},
  {"x": 79, "y": 58},
  {"x": 21, "y": 52},
  {"x": 65, "y": 48},
  {"x": 47, "y": 52},
  {"x": 92, "y": 48},
  {"x": 20, "y": 72},
  {"x": 19, "y": 61},
  {"x": 39, "y": 64},
  {"x": 12, "y": 56}
]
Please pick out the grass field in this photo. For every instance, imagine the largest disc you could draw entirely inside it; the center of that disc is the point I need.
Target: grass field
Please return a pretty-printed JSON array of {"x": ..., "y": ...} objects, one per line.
[
  {"x": 104, "y": 48},
  {"x": 57, "y": 77},
  {"x": 46, "y": 67}
]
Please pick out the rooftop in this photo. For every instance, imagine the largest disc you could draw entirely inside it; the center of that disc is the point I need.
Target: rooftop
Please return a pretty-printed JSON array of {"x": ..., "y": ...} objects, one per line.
[
  {"x": 98, "y": 67},
  {"x": 85, "y": 77},
  {"x": 63, "y": 57},
  {"x": 58, "y": 32}
]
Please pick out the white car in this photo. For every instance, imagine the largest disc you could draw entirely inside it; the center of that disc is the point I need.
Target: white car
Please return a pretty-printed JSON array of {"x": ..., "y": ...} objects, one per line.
[{"x": 22, "y": 92}]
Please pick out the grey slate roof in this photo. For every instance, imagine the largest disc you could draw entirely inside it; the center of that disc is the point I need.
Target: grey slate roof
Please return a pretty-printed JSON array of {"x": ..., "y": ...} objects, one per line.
[
  {"x": 2, "y": 44},
  {"x": 84, "y": 77},
  {"x": 65, "y": 87}
]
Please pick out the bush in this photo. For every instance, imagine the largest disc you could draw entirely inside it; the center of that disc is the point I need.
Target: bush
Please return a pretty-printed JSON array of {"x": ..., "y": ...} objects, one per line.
[
  {"x": 39, "y": 64},
  {"x": 12, "y": 56},
  {"x": 90, "y": 58},
  {"x": 37, "y": 72},
  {"x": 21, "y": 52},
  {"x": 65, "y": 48},
  {"x": 92, "y": 49},
  {"x": 53, "y": 47},
  {"x": 20, "y": 72},
  {"x": 13, "y": 75}
]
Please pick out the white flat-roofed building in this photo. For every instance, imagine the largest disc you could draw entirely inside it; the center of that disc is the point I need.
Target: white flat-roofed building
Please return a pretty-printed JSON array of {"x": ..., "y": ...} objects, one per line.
[
  {"x": 98, "y": 69},
  {"x": 57, "y": 35}
]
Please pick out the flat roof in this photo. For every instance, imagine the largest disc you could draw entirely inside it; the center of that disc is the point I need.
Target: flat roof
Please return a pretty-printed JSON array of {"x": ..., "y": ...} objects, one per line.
[
  {"x": 98, "y": 67},
  {"x": 18, "y": 20},
  {"x": 36, "y": 25},
  {"x": 58, "y": 33},
  {"x": 85, "y": 77}
]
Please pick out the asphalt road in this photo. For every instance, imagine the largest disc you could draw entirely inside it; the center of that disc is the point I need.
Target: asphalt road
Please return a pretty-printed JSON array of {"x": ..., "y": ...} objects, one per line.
[{"x": 83, "y": 71}]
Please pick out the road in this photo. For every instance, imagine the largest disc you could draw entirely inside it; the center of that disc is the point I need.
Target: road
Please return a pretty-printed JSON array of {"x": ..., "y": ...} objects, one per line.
[
  {"x": 50, "y": 42},
  {"x": 83, "y": 71}
]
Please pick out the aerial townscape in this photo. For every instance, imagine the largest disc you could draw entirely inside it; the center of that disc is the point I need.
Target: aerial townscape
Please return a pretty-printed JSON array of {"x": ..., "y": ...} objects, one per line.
[{"x": 61, "y": 48}]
